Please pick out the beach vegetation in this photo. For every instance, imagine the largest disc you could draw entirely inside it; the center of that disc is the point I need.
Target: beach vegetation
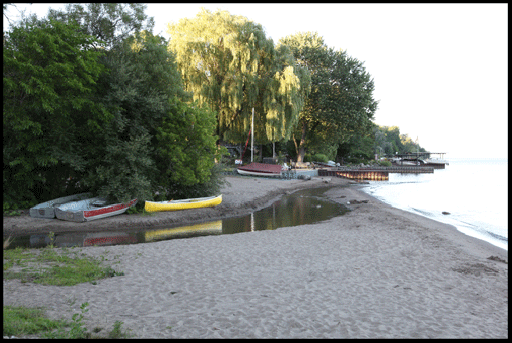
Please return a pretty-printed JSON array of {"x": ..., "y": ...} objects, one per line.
[
  {"x": 316, "y": 158},
  {"x": 50, "y": 266},
  {"x": 384, "y": 163},
  {"x": 19, "y": 321},
  {"x": 87, "y": 109}
]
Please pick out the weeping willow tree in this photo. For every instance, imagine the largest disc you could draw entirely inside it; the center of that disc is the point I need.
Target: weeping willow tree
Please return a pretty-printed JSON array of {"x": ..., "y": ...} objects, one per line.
[{"x": 227, "y": 62}]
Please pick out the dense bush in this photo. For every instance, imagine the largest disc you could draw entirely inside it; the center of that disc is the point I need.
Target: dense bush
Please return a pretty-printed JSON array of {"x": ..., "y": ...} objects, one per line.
[{"x": 385, "y": 163}]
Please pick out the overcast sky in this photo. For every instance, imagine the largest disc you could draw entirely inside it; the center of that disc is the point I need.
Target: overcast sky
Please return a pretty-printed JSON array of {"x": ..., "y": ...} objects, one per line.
[{"x": 440, "y": 70}]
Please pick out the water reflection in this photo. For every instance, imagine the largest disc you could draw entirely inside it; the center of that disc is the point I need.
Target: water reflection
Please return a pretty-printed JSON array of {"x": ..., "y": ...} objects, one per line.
[
  {"x": 209, "y": 228},
  {"x": 300, "y": 208},
  {"x": 291, "y": 210}
]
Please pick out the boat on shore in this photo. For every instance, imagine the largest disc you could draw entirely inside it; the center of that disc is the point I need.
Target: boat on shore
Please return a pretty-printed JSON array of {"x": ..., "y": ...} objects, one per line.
[
  {"x": 182, "y": 204},
  {"x": 91, "y": 209},
  {"x": 47, "y": 209},
  {"x": 260, "y": 169}
]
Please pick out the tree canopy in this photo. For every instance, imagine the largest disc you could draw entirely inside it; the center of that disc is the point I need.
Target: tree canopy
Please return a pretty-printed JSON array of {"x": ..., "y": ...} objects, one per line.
[
  {"x": 110, "y": 23},
  {"x": 341, "y": 100},
  {"x": 228, "y": 63},
  {"x": 81, "y": 114},
  {"x": 49, "y": 104}
]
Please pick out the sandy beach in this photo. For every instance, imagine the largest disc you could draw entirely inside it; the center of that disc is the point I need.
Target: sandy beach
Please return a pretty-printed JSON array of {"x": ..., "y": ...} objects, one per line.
[{"x": 375, "y": 272}]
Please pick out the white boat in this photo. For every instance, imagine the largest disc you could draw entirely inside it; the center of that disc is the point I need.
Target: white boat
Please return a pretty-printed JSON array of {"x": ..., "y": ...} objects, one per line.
[
  {"x": 47, "y": 209},
  {"x": 91, "y": 209},
  {"x": 255, "y": 173},
  {"x": 436, "y": 161},
  {"x": 402, "y": 162}
]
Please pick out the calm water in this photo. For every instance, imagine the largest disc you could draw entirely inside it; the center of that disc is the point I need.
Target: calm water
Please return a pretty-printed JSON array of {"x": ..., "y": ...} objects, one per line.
[
  {"x": 299, "y": 208},
  {"x": 473, "y": 191}
]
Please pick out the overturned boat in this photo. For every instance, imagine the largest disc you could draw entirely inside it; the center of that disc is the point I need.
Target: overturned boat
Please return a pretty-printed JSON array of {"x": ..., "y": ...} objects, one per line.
[
  {"x": 47, "y": 209},
  {"x": 261, "y": 169}
]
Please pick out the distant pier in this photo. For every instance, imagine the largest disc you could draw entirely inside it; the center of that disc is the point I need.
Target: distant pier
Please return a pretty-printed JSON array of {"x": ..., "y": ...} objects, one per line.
[{"x": 373, "y": 173}]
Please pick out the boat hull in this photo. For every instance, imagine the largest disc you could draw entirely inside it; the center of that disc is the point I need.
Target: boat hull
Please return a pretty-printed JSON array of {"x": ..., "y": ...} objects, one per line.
[
  {"x": 47, "y": 209},
  {"x": 82, "y": 211},
  {"x": 182, "y": 204},
  {"x": 255, "y": 173},
  {"x": 260, "y": 169}
]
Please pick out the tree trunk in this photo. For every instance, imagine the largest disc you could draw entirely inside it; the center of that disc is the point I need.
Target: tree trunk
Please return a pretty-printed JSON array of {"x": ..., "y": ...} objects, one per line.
[{"x": 302, "y": 149}]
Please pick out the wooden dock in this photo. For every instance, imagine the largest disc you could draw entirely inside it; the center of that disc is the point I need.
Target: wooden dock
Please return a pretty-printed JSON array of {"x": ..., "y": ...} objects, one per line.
[{"x": 374, "y": 174}]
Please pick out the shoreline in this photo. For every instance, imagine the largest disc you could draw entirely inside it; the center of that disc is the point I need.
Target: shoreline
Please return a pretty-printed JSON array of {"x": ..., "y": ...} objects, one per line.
[
  {"x": 241, "y": 196},
  {"x": 476, "y": 236},
  {"x": 375, "y": 272}
]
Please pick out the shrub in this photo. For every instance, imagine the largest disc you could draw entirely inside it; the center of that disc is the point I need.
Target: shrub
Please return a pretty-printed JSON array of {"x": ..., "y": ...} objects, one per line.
[{"x": 385, "y": 163}]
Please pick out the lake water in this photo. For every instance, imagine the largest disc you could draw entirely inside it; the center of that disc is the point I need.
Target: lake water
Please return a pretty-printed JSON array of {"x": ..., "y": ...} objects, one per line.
[{"x": 473, "y": 191}]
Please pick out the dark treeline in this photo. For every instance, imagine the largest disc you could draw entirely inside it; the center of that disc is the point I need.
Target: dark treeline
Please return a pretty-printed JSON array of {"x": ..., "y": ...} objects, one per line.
[{"x": 94, "y": 102}]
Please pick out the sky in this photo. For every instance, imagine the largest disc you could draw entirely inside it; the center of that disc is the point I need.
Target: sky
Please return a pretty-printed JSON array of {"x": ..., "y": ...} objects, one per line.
[{"x": 440, "y": 70}]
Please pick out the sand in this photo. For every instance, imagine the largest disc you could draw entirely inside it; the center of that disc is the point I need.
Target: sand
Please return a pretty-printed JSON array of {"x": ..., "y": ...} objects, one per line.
[{"x": 374, "y": 272}]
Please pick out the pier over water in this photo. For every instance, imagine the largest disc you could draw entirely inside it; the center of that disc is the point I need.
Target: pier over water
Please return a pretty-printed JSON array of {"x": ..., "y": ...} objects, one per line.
[{"x": 373, "y": 173}]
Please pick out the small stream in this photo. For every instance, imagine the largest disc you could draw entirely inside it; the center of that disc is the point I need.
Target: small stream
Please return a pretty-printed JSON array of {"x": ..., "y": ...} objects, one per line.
[{"x": 306, "y": 206}]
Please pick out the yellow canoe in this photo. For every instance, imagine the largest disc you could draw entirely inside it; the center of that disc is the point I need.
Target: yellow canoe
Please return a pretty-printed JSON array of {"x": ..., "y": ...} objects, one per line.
[{"x": 182, "y": 204}]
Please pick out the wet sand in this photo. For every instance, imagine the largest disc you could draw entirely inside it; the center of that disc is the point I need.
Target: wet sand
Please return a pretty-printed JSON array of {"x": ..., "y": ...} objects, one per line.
[{"x": 374, "y": 272}]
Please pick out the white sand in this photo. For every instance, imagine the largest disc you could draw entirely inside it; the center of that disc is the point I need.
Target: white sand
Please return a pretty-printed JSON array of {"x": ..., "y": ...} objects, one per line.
[{"x": 375, "y": 272}]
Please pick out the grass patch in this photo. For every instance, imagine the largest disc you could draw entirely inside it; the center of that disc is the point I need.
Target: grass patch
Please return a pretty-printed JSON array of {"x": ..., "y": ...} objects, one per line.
[
  {"x": 53, "y": 266},
  {"x": 49, "y": 266},
  {"x": 20, "y": 321}
]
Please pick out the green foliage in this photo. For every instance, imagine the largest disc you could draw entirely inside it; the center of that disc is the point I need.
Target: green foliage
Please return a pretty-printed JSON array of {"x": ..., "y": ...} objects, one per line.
[
  {"x": 125, "y": 169},
  {"x": 341, "y": 100},
  {"x": 389, "y": 141},
  {"x": 27, "y": 321},
  {"x": 49, "y": 107},
  {"x": 54, "y": 267},
  {"x": 142, "y": 78},
  {"x": 109, "y": 22},
  {"x": 187, "y": 148},
  {"x": 77, "y": 328},
  {"x": 384, "y": 163},
  {"x": 320, "y": 158},
  {"x": 228, "y": 63},
  {"x": 117, "y": 331},
  {"x": 82, "y": 114},
  {"x": 359, "y": 148},
  {"x": 20, "y": 321},
  {"x": 316, "y": 158}
]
